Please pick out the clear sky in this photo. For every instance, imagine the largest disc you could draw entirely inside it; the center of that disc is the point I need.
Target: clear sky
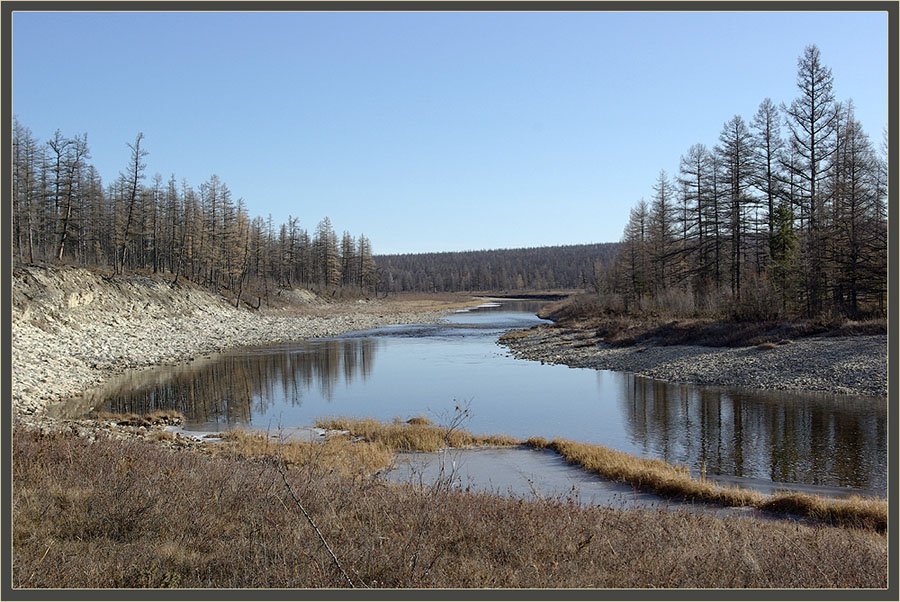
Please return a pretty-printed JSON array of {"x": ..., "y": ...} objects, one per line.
[{"x": 428, "y": 131}]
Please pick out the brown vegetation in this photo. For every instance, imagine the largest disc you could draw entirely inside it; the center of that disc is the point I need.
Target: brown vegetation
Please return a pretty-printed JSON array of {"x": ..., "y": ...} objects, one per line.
[
  {"x": 154, "y": 418},
  {"x": 655, "y": 476},
  {"x": 335, "y": 454},
  {"x": 129, "y": 514},
  {"x": 413, "y": 435},
  {"x": 667, "y": 480},
  {"x": 586, "y": 314}
]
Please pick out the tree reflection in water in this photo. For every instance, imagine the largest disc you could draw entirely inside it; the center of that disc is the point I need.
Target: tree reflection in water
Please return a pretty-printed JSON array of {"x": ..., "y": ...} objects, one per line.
[
  {"x": 782, "y": 436},
  {"x": 233, "y": 387}
]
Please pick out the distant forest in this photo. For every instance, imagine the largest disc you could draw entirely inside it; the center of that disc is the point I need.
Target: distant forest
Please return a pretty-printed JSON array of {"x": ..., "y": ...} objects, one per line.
[
  {"x": 785, "y": 217},
  {"x": 63, "y": 212},
  {"x": 537, "y": 268}
]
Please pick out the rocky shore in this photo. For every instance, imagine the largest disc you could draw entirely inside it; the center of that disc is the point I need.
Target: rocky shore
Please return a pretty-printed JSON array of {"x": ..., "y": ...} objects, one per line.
[
  {"x": 845, "y": 365},
  {"x": 73, "y": 329}
]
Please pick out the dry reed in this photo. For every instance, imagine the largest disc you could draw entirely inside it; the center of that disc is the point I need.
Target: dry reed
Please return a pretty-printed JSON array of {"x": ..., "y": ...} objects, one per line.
[{"x": 413, "y": 435}]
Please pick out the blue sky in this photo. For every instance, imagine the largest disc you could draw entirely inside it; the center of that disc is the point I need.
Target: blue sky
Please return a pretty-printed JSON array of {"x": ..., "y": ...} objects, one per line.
[{"x": 428, "y": 131}]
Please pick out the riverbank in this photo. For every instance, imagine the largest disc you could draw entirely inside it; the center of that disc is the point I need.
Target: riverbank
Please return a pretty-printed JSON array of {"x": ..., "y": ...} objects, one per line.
[
  {"x": 227, "y": 516},
  {"x": 73, "y": 328},
  {"x": 853, "y": 365}
]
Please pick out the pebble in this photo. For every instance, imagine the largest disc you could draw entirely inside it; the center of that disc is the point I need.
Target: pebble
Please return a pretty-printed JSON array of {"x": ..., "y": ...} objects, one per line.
[
  {"x": 844, "y": 365},
  {"x": 144, "y": 325}
]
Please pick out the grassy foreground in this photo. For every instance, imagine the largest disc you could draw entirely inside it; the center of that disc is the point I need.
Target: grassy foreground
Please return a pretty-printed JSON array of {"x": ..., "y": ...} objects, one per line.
[{"x": 133, "y": 514}]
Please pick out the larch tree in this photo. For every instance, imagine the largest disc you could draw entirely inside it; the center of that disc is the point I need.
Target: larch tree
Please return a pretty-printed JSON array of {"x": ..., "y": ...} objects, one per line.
[
  {"x": 76, "y": 151},
  {"x": 348, "y": 260},
  {"x": 694, "y": 177},
  {"x": 736, "y": 152},
  {"x": 811, "y": 121},
  {"x": 767, "y": 148},
  {"x": 662, "y": 229},
  {"x": 328, "y": 255},
  {"x": 130, "y": 182},
  {"x": 368, "y": 271}
]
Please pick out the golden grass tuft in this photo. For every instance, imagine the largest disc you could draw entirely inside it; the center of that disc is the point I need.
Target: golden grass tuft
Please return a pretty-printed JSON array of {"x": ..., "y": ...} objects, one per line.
[
  {"x": 379, "y": 441},
  {"x": 335, "y": 454},
  {"x": 124, "y": 419},
  {"x": 413, "y": 436},
  {"x": 854, "y": 511},
  {"x": 661, "y": 478},
  {"x": 655, "y": 476},
  {"x": 164, "y": 417}
]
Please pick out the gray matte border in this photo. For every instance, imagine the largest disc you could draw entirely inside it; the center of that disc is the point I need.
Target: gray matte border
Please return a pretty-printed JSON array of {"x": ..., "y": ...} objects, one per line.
[{"x": 891, "y": 8}]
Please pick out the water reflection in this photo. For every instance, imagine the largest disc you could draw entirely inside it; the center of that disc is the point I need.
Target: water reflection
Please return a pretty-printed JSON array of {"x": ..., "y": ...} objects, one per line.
[
  {"x": 755, "y": 437},
  {"x": 231, "y": 389},
  {"x": 785, "y": 437}
]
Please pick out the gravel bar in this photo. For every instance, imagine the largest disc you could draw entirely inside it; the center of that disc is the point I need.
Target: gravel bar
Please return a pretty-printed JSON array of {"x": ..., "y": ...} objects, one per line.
[{"x": 854, "y": 365}]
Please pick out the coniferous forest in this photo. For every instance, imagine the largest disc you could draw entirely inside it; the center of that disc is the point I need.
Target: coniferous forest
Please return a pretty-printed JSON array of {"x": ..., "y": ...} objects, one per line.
[
  {"x": 785, "y": 216},
  {"x": 62, "y": 211},
  {"x": 538, "y": 268}
]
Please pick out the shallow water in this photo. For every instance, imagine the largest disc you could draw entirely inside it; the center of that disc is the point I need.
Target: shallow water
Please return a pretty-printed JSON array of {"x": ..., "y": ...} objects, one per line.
[
  {"x": 534, "y": 474},
  {"x": 761, "y": 439}
]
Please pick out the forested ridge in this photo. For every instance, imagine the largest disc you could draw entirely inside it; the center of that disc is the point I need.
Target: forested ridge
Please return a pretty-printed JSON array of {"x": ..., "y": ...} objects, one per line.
[
  {"x": 535, "y": 268},
  {"x": 785, "y": 217},
  {"x": 63, "y": 212}
]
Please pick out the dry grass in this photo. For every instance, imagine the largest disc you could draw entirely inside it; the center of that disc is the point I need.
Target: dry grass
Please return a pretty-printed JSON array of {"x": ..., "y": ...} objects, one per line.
[
  {"x": 653, "y": 476},
  {"x": 584, "y": 312},
  {"x": 854, "y": 511},
  {"x": 664, "y": 479},
  {"x": 161, "y": 436},
  {"x": 419, "y": 421},
  {"x": 154, "y": 418},
  {"x": 336, "y": 454},
  {"x": 129, "y": 514},
  {"x": 413, "y": 435}
]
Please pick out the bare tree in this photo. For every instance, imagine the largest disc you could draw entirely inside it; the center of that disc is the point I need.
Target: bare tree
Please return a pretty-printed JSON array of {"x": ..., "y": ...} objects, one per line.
[
  {"x": 131, "y": 182},
  {"x": 767, "y": 147},
  {"x": 736, "y": 152},
  {"x": 811, "y": 121}
]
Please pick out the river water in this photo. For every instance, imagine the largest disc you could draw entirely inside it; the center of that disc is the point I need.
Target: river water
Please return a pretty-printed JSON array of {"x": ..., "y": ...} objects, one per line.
[{"x": 766, "y": 440}]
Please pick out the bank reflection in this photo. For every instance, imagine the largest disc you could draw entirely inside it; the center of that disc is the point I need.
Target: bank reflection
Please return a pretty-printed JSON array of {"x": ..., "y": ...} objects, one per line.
[
  {"x": 231, "y": 389},
  {"x": 785, "y": 437}
]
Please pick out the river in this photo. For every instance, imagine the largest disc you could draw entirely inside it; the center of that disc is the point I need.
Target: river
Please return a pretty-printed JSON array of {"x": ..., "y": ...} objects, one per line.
[{"x": 828, "y": 444}]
